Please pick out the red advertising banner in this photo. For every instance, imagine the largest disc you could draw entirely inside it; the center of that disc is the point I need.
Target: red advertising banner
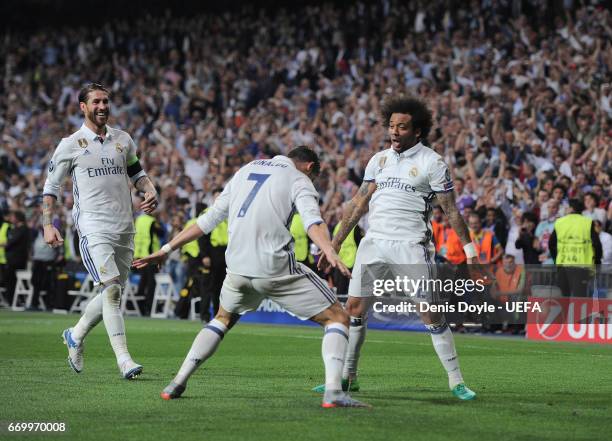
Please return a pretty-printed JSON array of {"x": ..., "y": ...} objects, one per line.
[{"x": 571, "y": 319}]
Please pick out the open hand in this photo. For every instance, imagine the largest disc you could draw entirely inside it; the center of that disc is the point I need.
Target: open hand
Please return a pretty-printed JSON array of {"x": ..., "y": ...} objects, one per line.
[{"x": 157, "y": 258}]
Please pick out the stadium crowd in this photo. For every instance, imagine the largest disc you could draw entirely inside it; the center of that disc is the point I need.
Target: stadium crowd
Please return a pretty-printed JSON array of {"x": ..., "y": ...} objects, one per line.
[{"x": 520, "y": 92}]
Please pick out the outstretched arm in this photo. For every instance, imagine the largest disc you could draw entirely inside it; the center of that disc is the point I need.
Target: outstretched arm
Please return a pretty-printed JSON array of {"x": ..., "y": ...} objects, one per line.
[
  {"x": 355, "y": 208},
  {"x": 190, "y": 233},
  {"x": 447, "y": 202},
  {"x": 320, "y": 236},
  {"x": 205, "y": 224}
]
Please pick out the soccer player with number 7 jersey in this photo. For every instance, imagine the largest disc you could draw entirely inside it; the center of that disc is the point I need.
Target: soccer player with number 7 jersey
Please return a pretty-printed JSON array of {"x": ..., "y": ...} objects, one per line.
[{"x": 259, "y": 203}]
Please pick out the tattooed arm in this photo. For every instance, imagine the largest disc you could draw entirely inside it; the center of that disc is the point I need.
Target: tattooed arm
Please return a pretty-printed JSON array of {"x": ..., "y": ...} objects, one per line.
[
  {"x": 150, "y": 202},
  {"x": 355, "y": 208},
  {"x": 447, "y": 202},
  {"x": 52, "y": 236}
]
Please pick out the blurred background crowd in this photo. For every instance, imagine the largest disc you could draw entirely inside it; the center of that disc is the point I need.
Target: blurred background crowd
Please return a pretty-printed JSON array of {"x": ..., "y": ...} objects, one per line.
[{"x": 520, "y": 91}]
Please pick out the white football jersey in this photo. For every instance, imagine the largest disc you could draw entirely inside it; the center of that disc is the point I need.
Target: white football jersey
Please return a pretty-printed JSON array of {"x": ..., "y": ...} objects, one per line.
[
  {"x": 99, "y": 171},
  {"x": 406, "y": 184},
  {"x": 259, "y": 203}
]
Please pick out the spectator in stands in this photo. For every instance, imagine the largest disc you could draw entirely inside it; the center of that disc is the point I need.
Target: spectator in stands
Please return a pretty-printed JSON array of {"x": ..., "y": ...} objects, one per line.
[
  {"x": 544, "y": 230},
  {"x": 591, "y": 208},
  {"x": 522, "y": 99},
  {"x": 606, "y": 243},
  {"x": 527, "y": 240}
]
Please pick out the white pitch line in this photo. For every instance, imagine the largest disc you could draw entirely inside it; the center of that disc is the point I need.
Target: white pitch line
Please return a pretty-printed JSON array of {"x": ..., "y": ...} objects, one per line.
[{"x": 469, "y": 346}]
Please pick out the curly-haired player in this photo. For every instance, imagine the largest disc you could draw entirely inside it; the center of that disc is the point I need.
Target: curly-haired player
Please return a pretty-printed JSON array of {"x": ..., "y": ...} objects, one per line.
[{"x": 399, "y": 186}]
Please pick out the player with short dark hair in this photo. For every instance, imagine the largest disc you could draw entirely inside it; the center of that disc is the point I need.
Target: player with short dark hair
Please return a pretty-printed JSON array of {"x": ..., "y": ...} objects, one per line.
[
  {"x": 101, "y": 161},
  {"x": 258, "y": 203}
]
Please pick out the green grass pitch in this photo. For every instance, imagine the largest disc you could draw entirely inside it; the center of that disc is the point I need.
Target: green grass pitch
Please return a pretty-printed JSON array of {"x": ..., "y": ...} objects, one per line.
[{"x": 257, "y": 387}]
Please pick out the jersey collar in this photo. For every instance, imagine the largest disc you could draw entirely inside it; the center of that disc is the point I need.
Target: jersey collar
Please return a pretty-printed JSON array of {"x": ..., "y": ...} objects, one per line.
[
  {"x": 92, "y": 136},
  {"x": 411, "y": 151},
  {"x": 285, "y": 160}
]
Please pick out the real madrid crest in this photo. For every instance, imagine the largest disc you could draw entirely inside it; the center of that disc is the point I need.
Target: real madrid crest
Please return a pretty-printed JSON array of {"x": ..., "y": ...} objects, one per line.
[
  {"x": 414, "y": 172},
  {"x": 82, "y": 143},
  {"x": 382, "y": 161},
  {"x": 119, "y": 148}
]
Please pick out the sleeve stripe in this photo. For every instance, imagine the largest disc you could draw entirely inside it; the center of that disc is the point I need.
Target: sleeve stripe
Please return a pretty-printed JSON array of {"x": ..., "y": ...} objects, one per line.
[
  {"x": 132, "y": 160},
  {"x": 314, "y": 222}
]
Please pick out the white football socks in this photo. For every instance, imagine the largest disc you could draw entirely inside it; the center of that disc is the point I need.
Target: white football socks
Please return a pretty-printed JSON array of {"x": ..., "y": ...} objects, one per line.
[
  {"x": 90, "y": 318},
  {"x": 113, "y": 321},
  {"x": 204, "y": 345},
  {"x": 444, "y": 344},
  {"x": 357, "y": 333},
  {"x": 333, "y": 350}
]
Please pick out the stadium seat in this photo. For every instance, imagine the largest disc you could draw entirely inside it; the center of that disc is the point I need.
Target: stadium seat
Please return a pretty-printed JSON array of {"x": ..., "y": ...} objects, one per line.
[
  {"x": 83, "y": 294},
  {"x": 164, "y": 292},
  {"x": 25, "y": 290},
  {"x": 129, "y": 300},
  {"x": 193, "y": 314},
  {"x": 3, "y": 302}
]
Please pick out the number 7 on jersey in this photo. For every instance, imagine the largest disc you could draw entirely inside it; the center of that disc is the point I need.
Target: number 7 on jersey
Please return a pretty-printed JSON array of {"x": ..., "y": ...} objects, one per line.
[{"x": 259, "y": 179}]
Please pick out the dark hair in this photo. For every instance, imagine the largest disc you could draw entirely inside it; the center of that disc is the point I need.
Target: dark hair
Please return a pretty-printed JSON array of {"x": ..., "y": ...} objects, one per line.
[
  {"x": 594, "y": 196},
  {"x": 217, "y": 190},
  {"x": 306, "y": 154},
  {"x": 576, "y": 205},
  {"x": 530, "y": 216},
  {"x": 562, "y": 187},
  {"x": 475, "y": 214},
  {"x": 417, "y": 109},
  {"x": 19, "y": 215},
  {"x": 84, "y": 92},
  {"x": 200, "y": 207}
]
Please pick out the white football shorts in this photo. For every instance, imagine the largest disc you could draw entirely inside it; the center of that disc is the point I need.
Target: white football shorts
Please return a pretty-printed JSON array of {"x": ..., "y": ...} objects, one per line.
[
  {"x": 396, "y": 258},
  {"x": 303, "y": 294},
  {"x": 107, "y": 256}
]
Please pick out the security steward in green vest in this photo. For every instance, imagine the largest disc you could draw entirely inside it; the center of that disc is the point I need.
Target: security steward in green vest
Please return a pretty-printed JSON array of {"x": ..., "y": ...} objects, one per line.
[
  {"x": 147, "y": 241},
  {"x": 301, "y": 244},
  {"x": 347, "y": 254},
  {"x": 198, "y": 276},
  {"x": 4, "y": 227},
  {"x": 213, "y": 257},
  {"x": 575, "y": 247}
]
